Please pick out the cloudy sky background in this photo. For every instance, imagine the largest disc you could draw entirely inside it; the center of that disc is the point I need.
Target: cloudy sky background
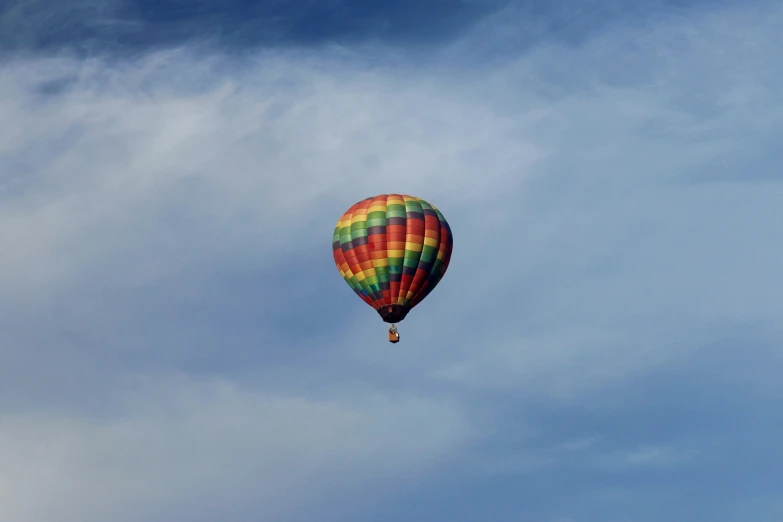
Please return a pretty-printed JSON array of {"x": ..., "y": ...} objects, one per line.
[{"x": 176, "y": 344}]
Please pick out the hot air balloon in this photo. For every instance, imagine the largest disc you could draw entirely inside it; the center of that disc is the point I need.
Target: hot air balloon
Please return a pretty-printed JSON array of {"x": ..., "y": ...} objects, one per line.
[{"x": 392, "y": 250}]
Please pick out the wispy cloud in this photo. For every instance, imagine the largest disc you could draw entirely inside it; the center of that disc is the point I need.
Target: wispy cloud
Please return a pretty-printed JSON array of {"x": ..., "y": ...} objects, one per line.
[{"x": 244, "y": 454}]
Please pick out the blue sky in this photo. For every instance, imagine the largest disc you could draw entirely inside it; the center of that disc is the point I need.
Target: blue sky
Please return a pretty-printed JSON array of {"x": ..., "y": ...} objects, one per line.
[{"x": 176, "y": 344}]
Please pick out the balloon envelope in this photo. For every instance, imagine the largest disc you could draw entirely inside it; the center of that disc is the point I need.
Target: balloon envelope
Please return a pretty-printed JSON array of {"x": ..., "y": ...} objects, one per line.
[{"x": 392, "y": 250}]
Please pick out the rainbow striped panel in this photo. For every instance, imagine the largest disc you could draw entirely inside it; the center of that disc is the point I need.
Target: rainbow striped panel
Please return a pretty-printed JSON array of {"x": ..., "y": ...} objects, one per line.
[{"x": 392, "y": 249}]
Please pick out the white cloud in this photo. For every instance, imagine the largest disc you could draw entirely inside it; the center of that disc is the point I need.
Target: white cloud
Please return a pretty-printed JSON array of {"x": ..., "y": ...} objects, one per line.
[
  {"x": 109, "y": 162},
  {"x": 652, "y": 456},
  {"x": 188, "y": 450}
]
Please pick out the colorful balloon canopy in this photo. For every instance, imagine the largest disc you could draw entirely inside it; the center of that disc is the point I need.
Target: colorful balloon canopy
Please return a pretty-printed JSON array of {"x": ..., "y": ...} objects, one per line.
[{"x": 392, "y": 250}]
